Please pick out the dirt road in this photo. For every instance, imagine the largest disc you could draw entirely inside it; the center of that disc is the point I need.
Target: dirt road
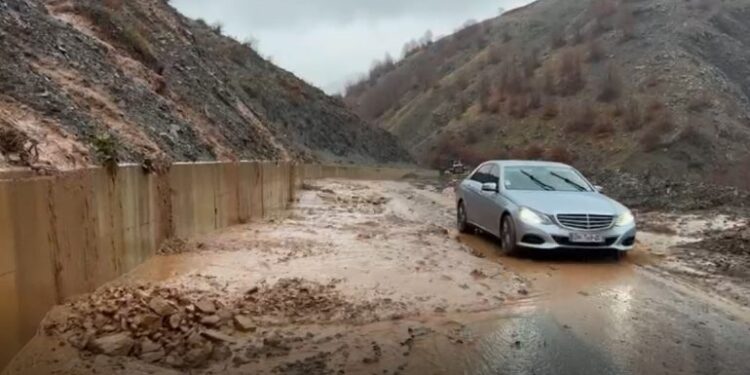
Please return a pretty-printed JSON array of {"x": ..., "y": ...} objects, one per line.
[{"x": 366, "y": 277}]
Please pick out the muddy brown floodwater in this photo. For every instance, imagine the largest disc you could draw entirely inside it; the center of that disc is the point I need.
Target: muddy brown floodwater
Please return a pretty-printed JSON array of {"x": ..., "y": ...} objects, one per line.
[{"x": 370, "y": 277}]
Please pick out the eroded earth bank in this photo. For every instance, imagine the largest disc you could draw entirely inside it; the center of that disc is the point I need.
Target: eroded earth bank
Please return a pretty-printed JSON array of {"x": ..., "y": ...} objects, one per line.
[{"x": 370, "y": 277}]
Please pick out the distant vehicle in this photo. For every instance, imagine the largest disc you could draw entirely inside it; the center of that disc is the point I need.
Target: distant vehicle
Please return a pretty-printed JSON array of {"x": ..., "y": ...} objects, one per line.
[
  {"x": 542, "y": 205},
  {"x": 457, "y": 167}
]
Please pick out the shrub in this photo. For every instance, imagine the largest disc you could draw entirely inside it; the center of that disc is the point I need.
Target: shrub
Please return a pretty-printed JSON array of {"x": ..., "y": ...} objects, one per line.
[
  {"x": 106, "y": 148},
  {"x": 518, "y": 106},
  {"x": 558, "y": 40},
  {"x": 604, "y": 129},
  {"x": 559, "y": 154},
  {"x": 611, "y": 86},
  {"x": 531, "y": 63},
  {"x": 533, "y": 152},
  {"x": 632, "y": 115},
  {"x": 570, "y": 73},
  {"x": 651, "y": 140},
  {"x": 550, "y": 109},
  {"x": 549, "y": 81},
  {"x": 655, "y": 106},
  {"x": 595, "y": 50},
  {"x": 582, "y": 118},
  {"x": 626, "y": 23},
  {"x": 700, "y": 102},
  {"x": 534, "y": 100},
  {"x": 494, "y": 54}
]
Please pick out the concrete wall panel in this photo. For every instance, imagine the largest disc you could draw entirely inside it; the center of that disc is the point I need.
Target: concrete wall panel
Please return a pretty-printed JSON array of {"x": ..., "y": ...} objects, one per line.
[
  {"x": 7, "y": 246},
  {"x": 74, "y": 233},
  {"x": 36, "y": 270},
  {"x": 10, "y": 341}
]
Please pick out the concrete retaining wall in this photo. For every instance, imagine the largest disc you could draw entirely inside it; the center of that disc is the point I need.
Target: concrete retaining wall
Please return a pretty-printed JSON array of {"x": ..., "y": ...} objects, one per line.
[{"x": 66, "y": 235}]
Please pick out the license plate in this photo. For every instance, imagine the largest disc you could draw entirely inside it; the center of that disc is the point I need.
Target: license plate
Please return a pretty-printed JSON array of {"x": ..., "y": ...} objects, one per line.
[{"x": 586, "y": 238}]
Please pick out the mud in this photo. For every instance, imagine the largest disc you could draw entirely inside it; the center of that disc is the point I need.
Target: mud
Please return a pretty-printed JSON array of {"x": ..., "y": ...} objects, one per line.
[
  {"x": 370, "y": 277},
  {"x": 709, "y": 250},
  {"x": 350, "y": 280}
]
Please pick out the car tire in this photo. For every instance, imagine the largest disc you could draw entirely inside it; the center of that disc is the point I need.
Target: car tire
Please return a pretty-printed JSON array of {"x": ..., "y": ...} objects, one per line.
[
  {"x": 462, "y": 222},
  {"x": 508, "y": 235}
]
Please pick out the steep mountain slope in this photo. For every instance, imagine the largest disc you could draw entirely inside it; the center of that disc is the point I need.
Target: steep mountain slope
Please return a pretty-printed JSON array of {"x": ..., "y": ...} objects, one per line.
[
  {"x": 661, "y": 86},
  {"x": 86, "y": 81}
]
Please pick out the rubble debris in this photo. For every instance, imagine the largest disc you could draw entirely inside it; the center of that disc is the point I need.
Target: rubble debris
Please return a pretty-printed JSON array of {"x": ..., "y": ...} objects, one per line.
[
  {"x": 189, "y": 329},
  {"x": 119, "y": 344}
]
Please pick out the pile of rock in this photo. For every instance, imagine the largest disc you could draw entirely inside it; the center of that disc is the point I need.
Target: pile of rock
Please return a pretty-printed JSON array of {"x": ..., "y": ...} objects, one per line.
[
  {"x": 300, "y": 301},
  {"x": 735, "y": 241},
  {"x": 652, "y": 192},
  {"x": 188, "y": 329}
]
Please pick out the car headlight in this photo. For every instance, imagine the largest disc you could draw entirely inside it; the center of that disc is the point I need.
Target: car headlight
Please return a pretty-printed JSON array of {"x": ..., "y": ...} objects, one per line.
[
  {"x": 530, "y": 217},
  {"x": 625, "y": 219}
]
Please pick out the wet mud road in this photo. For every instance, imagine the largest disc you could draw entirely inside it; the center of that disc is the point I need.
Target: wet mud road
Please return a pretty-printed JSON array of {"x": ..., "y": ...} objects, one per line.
[
  {"x": 591, "y": 315},
  {"x": 371, "y": 278}
]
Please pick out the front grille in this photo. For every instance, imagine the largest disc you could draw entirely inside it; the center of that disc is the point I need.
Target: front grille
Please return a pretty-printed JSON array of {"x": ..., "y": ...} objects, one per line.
[
  {"x": 585, "y": 221},
  {"x": 609, "y": 241}
]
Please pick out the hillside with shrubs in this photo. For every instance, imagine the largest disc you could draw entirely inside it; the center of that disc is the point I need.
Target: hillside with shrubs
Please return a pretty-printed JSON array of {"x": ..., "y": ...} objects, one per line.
[
  {"x": 657, "y": 86},
  {"x": 87, "y": 82}
]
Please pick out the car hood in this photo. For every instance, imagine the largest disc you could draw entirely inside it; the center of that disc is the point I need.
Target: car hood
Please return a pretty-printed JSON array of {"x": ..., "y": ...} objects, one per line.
[{"x": 564, "y": 202}]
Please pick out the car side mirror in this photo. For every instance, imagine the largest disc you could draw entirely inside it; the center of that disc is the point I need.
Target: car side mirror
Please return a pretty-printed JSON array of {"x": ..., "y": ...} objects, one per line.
[
  {"x": 490, "y": 186},
  {"x": 598, "y": 188}
]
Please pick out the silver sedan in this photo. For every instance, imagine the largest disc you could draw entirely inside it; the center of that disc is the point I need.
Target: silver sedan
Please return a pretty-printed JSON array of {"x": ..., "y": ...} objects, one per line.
[{"x": 542, "y": 205}]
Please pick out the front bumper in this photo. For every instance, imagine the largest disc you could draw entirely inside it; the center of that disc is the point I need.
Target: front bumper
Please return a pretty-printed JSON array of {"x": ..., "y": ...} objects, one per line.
[{"x": 553, "y": 236}]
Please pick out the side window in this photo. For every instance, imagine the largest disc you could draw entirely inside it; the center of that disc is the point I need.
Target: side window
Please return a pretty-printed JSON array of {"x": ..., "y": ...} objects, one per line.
[
  {"x": 482, "y": 174},
  {"x": 495, "y": 175}
]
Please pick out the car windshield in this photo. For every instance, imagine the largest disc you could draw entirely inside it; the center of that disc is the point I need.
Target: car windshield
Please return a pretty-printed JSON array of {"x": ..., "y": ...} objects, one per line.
[{"x": 550, "y": 178}]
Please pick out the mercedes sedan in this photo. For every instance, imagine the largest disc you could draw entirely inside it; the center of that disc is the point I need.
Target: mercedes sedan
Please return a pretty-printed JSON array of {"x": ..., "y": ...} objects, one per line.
[{"x": 542, "y": 205}]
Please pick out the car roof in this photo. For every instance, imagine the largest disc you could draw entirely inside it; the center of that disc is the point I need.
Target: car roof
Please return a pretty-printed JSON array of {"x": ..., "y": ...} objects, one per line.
[{"x": 530, "y": 163}]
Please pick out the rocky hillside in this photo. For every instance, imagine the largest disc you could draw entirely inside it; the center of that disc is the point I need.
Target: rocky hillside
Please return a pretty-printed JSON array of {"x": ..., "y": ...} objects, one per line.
[
  {"x": 89, "y": 81},
  {"x": 646, "y": 85}
]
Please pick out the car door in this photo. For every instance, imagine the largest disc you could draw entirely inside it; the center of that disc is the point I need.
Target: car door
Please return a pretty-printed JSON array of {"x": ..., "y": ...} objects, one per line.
[
  {"x": 488, "y": 207},
  {"x": 473, "y": 197}
]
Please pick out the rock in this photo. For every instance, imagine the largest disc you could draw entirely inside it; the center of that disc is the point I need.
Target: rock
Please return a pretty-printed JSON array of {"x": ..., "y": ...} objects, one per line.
[
  {"x": 215, "y": 335},
  {"x": 221, "y": 353},
  {"x": 175, "y": 321},
  {"x": 210, "y": 320},
  {"x": 206, "y": 306},
  {"x": 174, "y": 360},
  {"x": 153, "y": 357},
  {"x": 161, "y": 306},
  {"x": 150, "y": 322},
  {"x": 118, "y": 344},
  {"x": 244, "y": 323},
  {"x": 149, "y": 346},
  {"x": 199, "y": 356}
]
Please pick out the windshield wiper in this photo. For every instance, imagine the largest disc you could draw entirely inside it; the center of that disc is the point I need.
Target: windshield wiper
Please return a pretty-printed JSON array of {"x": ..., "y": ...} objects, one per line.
[
  {"x": 569, "y": 182},
  {"x": 537, "y": 181}
]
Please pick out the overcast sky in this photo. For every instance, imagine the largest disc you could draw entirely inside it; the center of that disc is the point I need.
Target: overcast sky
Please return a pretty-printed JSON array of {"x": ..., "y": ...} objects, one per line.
[{"x": 328, "y": 42}]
